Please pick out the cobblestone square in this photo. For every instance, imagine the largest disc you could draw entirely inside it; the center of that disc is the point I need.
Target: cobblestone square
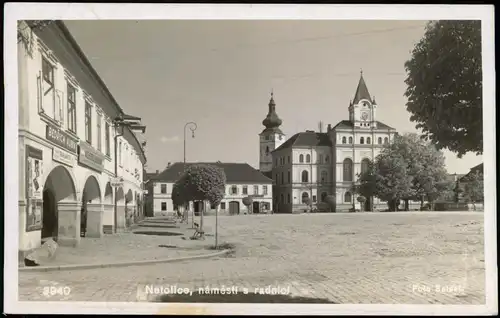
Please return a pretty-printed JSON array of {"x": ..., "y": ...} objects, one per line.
[{"x": 352, "y": 258}]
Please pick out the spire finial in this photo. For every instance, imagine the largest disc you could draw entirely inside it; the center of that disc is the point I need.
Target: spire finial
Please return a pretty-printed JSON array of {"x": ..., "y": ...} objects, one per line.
[
  {"x": 361, "y": 71},
  {"x": 272, "y": 92}
]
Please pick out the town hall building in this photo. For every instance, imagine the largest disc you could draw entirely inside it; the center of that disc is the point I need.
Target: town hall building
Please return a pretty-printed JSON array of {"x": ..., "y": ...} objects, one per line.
[{"x": 313, "y": 165}]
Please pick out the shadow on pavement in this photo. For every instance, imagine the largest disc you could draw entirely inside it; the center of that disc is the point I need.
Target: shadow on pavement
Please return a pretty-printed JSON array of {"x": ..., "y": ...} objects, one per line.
[{"x": 239, "y": 298}]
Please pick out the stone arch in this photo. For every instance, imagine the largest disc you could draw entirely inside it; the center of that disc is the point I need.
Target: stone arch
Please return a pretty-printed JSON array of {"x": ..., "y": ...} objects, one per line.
[
  {"x": 62, "y": 182},
  {"x": 59, "y": 186},
  {"x": 129, "y": 197},
  {"x": 108, "y": 194},
  {"x": 92, "y": 190},
  {"x": 305, "y": 176},
  {"x": 304, "y": 196},
  {"x": 350, "y": 140},
  {"x": 347, "y": 169},
  {"x": 344, "y": 140},
  {"x": 301, "y": 158},
  {"x": 120, "y": 196},
  {"x": 308, "y": 158},
  {"x": 379, "y": 140}
]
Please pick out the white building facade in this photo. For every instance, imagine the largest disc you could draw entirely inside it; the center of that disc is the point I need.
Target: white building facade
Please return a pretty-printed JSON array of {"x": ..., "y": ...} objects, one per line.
[
  {"x": 66, "y": 145},
  {"x": 241, "y": 181},
  {"x": 313, "y": 165}
]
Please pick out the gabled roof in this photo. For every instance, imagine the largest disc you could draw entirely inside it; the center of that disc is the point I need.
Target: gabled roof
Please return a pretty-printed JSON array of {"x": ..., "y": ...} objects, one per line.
[
  {"x": 361, "y": 92},
  {"x": 306, "y": 139},
  {"x": 347, "y": 124},
  {"x": 235, "y": 172},
  {"x": 479, "y": 168}
]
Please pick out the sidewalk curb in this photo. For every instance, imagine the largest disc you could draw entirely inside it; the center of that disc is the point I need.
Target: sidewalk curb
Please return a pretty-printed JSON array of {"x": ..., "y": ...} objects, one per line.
[{"x": 120, "y": 264}]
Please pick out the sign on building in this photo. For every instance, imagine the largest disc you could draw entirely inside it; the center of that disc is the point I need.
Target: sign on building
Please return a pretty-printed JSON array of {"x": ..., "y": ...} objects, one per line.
[
  {"x": 63, "y": 157},
  {"x": 89, "y": 157},
  {"x": 34, "y": 188},
  {"x": 116, "y": 182}
]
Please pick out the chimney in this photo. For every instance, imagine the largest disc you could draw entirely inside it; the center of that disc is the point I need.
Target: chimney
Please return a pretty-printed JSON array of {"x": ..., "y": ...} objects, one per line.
[
  {"x": 168, "y": 165},
  {"x": 329, "y": 127}
]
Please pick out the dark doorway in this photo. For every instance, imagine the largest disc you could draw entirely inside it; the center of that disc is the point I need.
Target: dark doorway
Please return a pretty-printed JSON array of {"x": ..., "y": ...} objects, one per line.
[
  {"x": 234, "y": 207},
  {"x": 256, "y": 207},
  {"x": 83, "y": 216},
  {"x": 49, "y": 215}
]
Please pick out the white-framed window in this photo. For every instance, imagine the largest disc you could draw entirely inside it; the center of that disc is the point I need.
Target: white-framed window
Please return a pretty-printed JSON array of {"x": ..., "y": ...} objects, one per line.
[
  {"x": 245, "y": 190},
  {"x": 255, "y": 189},
  {"x": 164, "y": 206},
  {"x": 107, "y": 138},
  {"x": 71, "y": 105},
  {"x": 163, "y": 188},
  {"x": 88, "y": 122},
  {"x": 99, "y": 131},
  {"x": 264, "y": 190},
  {"x": 234, "y": 190},
  {"x": 48, "y": 89}
]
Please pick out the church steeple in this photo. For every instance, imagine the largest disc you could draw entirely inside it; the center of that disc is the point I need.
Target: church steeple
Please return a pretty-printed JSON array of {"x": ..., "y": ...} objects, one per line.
[
  {"x": 272, "y": 121},
  {"x": 363, "y": 108},
  {"x": 361, "y": 91},
  {"x": 270, "y": 138}
]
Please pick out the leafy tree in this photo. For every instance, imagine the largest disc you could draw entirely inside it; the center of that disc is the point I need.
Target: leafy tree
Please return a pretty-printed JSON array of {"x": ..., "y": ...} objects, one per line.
[
  {"x": 366, "y": 185},
  {"x": 474, "y": 188},
  {"x": 203, "y": 183},
  {"x": 392, "y": 181},
  {"x": 361, "y": 199},
  {"x": 248, "y": 201},
  {"x": 445, "y": 85},
  {"x": 331, "y": 200},
  {"x": 424, "y": 164}
]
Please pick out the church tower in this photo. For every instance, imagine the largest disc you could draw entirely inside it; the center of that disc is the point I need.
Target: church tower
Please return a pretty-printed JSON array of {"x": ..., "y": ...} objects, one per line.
[
  {"x": 270, "y": 138},
  {"x": 363, "y": 109}
]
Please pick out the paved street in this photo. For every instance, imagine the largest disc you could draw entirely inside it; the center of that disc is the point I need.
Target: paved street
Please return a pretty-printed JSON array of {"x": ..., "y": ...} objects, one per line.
[{"x": 410, "y": 258}]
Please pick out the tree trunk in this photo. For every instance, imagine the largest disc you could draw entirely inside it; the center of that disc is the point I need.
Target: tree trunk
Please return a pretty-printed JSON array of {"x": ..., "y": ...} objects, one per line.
[
  {"x": 216, "y": 225},
  {"x": 421, "y": 203},
  {"x": 407, "y": 205},
  {"x": 201, "y": 217}
]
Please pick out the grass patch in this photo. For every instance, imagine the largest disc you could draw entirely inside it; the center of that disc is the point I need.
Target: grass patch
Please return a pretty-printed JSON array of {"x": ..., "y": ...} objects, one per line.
[{"x": 239, "y": 298}]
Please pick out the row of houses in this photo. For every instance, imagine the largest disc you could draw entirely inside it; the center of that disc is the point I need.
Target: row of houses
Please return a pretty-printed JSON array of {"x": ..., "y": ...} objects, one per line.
[{"x": 80, "y": 171}]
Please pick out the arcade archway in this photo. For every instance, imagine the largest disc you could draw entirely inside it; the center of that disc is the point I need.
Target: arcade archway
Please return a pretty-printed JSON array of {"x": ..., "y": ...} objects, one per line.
[
  {"x": 59, "y": 186},
  {"x": 91, "y": 204}
]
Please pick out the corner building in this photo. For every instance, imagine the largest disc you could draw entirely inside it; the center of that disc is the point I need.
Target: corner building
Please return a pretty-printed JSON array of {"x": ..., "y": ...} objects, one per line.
[
  {"x": 66, "y": 145},
  {"x": 313, "y": 165}
]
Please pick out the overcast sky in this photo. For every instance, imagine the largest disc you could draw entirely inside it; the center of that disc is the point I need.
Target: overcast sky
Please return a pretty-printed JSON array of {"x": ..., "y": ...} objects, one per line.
[{"x": 219, "y": 74}]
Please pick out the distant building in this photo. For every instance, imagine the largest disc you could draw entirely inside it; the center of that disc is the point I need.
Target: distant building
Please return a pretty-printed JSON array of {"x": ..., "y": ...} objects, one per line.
[
  {"x": 241, "y": 181},
  {"x": 313, "y": 165}
]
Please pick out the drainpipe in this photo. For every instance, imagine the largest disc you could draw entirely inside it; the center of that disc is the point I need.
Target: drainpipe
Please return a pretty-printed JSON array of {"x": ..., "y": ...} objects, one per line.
[{"x": 116, "y": 172}]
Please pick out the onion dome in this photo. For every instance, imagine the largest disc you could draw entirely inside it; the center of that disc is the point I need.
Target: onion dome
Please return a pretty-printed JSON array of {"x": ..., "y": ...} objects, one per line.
[{"x": 272, "y": 121}]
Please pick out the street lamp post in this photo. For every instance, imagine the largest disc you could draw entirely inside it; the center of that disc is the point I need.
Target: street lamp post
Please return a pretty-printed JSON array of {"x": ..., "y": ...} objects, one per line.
[{"x": 192, "y": 126}]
